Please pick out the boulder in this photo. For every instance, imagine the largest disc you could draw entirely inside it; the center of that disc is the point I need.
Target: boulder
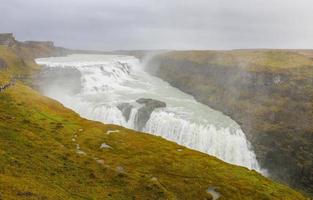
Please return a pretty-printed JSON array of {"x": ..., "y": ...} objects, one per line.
[
  {"x": 125, "y": 108},
  {"x": 144, "y": 113}
]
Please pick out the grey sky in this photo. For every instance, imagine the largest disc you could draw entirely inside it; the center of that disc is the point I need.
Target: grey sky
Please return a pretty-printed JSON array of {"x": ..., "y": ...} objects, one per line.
[{"x": 161, "y": 24}]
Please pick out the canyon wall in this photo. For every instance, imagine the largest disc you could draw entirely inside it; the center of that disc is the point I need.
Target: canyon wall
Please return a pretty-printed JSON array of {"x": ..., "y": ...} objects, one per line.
[{"x": 268, "y": 92}]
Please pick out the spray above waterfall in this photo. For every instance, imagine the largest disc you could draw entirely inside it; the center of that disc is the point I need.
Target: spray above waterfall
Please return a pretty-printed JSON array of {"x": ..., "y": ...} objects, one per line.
[{"x": 115, "y": 89}]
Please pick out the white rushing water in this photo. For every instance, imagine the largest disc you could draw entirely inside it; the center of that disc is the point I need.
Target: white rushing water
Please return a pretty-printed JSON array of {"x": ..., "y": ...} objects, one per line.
[{"x": 109, "y": 80}]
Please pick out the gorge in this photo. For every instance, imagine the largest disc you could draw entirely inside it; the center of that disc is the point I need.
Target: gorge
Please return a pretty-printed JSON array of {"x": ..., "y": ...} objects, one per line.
[{"x": 114, "y": 89}]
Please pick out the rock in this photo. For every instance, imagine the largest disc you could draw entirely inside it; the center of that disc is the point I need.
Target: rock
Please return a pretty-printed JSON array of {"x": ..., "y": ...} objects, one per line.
[
  {"x": 151, "y": 102},
  {"x": 144, "y": 113},
  {"x": 120, "y": 170},
  {"x": 100, "y": 161},
  {"x": 215, "y": 195},
  {"x": 125, "y": 108},
  {"x": 112, "y": 131},
  {"x": 154, "y": 179},
  {"x": 105, "y": 146}
]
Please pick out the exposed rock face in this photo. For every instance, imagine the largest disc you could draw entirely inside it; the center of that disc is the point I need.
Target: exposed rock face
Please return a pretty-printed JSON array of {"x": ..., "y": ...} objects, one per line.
[
  {"x": 149, "y": 105},
  {"x": 125, "y": 108},
  {"x": 7, "y": 39},
  {"x": 273, "y": 106}
]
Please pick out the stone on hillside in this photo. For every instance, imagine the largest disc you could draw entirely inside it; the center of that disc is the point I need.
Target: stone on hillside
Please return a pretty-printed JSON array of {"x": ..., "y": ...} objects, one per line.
[
  {"x": 100, "y": 161},
  {"x": 105, "y": 146},
  {"x": 120, "y": 170}
]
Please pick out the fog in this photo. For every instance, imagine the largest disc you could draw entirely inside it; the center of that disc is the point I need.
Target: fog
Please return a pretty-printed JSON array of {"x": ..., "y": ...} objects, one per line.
[{"x": 161, "y": 24}]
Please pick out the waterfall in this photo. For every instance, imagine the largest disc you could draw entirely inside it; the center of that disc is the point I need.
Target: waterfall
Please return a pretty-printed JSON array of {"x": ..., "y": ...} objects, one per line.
[{"x": 110, "y": 86}]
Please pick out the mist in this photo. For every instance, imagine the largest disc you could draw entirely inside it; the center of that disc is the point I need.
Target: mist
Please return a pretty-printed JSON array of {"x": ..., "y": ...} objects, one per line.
[{"x": 161, "y": 24}]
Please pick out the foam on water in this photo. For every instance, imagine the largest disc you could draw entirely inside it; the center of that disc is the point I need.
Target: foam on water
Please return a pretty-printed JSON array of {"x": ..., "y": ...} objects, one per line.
[{"x": 109, "y": 80}]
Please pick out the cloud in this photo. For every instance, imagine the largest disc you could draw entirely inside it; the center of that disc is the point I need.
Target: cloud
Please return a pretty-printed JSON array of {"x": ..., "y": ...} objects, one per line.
[{"x": 161, "y": 24}]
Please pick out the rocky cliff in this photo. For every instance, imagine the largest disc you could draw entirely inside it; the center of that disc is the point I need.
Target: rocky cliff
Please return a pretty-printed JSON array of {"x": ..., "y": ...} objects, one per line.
[
  {"x": 29, "y": 49},
  {"x": 268, "y": 92},
  {"x": 7, "y": 39}
]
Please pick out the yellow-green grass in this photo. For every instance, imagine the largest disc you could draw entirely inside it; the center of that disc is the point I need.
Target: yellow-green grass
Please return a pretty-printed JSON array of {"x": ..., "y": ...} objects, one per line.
[
  {"x": 16, "y": 66},
  {"x": 39, "y": 159},
  {"x": 254, "y": 60}
]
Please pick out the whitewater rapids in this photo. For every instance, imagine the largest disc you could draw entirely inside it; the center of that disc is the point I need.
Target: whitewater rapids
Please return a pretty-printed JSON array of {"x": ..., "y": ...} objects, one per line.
[{"x": 106, "y": 81}]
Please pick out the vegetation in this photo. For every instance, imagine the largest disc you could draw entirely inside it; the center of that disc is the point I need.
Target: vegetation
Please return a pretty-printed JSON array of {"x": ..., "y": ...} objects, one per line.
[
  {"x": 252, "y": 60},
  {"x": 49, "y": 152}
]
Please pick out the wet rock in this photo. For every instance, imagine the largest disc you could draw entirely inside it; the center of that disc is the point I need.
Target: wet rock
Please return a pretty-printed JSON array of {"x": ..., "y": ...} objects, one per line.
[
  {"x": 125, "y": 108},
  {"x": 100, "y": 161},
  {"x": 144, "y": 113},
  {"x": 80, "y": 152}
]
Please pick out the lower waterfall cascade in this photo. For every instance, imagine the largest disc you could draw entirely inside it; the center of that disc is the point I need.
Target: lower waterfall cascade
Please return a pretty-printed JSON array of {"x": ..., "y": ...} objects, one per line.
[{"x": 106, "y": 82}]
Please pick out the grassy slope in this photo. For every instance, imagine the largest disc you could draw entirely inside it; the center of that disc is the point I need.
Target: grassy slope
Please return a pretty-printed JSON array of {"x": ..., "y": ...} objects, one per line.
[{"x": 38, "y": 159}]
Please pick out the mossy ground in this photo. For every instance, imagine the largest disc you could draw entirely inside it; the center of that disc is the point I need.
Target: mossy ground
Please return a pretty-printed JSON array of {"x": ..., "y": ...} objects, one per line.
[{"x": 39, "y": 159}]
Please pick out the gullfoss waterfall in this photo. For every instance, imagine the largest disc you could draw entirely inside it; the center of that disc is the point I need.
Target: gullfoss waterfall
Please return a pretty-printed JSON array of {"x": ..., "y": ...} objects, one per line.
[{"x": 116, "y": 89}]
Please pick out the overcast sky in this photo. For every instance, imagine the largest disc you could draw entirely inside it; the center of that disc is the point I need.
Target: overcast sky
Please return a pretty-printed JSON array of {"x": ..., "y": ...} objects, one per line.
[{"x": 161, "y": 24}]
